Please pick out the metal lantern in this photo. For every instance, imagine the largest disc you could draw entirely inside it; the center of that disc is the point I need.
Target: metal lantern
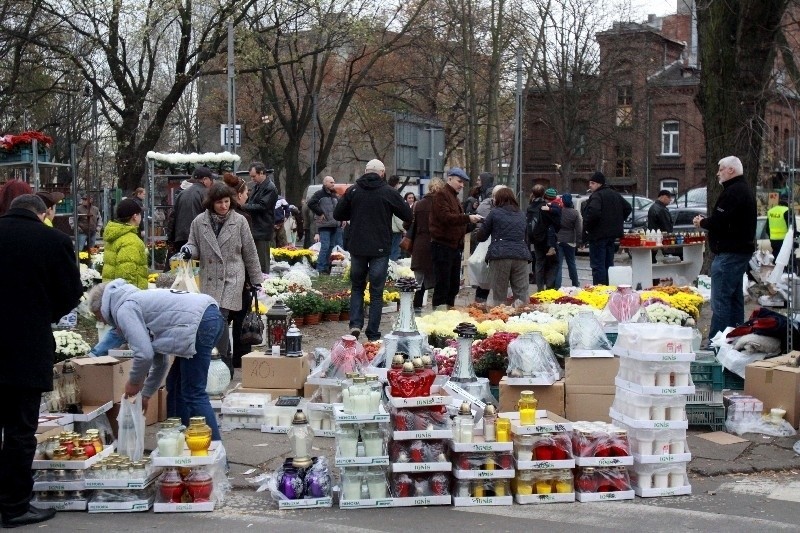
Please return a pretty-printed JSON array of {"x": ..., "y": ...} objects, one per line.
[
  {"x": 294, "y": 341},
  {"x": 70, "y": 390},
  {"x": 301, "y": 437},
  {"x": 279, "y": 319}
]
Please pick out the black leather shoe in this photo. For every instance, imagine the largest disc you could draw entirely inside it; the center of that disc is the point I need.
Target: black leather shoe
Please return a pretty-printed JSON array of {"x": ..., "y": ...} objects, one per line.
[{"x": 33, "y": 516}]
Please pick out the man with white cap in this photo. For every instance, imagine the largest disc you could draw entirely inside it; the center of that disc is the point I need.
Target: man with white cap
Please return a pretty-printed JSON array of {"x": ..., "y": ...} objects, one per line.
[
  {"x": 447, "y": 225},
  {"x": 369, "y": 206}
]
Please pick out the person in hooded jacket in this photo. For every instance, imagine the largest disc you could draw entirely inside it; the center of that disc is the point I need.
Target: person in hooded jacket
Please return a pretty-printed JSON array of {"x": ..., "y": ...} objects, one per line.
[
  {"x": 484, "y": 208},
  {"x": 125, "y": 254},
  {"x": 508, "y": 255},
  {"x": 369, "y": 206},
  {"x": 157, "y": 323}
]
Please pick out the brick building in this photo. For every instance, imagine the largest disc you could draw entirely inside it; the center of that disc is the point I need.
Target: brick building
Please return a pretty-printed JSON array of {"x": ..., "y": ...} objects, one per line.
[{"x": 637, "y": 121}]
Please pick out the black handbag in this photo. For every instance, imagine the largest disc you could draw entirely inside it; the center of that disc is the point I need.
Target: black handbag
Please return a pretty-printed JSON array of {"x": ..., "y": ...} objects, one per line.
[{"x": 253, "y": 325}]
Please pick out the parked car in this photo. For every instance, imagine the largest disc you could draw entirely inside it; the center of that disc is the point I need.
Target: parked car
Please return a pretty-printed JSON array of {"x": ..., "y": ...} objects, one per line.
[{"x": 697, "y": 197}]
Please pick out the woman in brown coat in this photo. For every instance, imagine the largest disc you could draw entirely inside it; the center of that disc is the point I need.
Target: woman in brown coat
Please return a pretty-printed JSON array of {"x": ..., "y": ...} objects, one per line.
[
  {"x": 220, "y": 238},
  {"x": 418, "y": 231}
]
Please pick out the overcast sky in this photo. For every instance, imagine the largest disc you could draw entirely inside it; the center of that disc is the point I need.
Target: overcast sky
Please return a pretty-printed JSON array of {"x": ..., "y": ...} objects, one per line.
[{"x": 657, "y": 7}]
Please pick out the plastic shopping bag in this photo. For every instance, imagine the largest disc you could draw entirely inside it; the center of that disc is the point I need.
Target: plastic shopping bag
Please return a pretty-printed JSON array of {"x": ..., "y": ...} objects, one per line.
[
  {"x": 130, "y": 420},
  {"x": 184, "y": 278},
  {"x": 478, "y": 269}
]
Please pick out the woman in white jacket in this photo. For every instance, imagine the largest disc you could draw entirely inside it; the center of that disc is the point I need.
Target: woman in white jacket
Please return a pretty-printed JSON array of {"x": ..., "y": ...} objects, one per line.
[{"x": 221, "y": 239}]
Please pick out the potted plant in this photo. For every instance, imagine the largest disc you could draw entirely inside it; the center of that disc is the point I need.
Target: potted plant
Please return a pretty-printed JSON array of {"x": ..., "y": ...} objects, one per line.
[
  {"x": 344, "y": 308},
  {"x": 490, "y": 356},
  {"x": 315, "y": 305},
  {"x": 330, "y": 309},
  {"x": 297, "y": 303}
]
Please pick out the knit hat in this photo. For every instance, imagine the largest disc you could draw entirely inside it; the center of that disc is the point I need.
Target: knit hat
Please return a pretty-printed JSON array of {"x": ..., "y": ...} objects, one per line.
[
  {"x": 127, "y": 208},
  {"x": 375, "y": 165},
  {"x": 50, "y": 198},
  {"x": 457, "y": 172},
  {"x": 598, "y": 177},
  {"x": 566, "y": 198},
  {"x": 550, "y": 193}
]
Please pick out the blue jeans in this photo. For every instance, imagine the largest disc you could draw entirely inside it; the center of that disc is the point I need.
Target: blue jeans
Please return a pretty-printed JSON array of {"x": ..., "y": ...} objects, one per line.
[
  {"x": 186, "y": 381},
  {"x": 86, "y": 240},
  {"x": 360, "y": 267},
  {"x": 567, "y": 252},
  {"x": 339, "y": 241},
  {"x": 327, "y": 238},
  {"x": 395, "y": 253},
  {"x": 727, "y": 299},
  {"x": 601, "y": 257},
  {"x": 110, "y": 340}
]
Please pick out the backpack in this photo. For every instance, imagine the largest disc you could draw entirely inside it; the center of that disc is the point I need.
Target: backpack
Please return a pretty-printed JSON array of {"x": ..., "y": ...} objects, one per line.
[{"x": 537, "y": 231}]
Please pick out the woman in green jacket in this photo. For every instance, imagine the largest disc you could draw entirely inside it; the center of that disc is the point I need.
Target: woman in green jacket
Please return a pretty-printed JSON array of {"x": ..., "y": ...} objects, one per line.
[{"x": 125, "y": 255}]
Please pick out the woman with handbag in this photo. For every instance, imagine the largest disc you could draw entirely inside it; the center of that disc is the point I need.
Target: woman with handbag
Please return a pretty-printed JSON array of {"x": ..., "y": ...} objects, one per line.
[
  {"x": 249, "y": 293},
  {"x": 420, "y": 244},
  {"x": 508, "y": 255},
  {"x": 220, "y": 238}
]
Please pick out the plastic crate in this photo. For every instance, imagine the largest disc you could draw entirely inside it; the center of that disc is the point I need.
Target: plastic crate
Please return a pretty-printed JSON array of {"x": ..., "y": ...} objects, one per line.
[
  {"x": 704, "y": 394},
  {"x": 708, "y": 373},
  {"x": 709, "y": 415},
  {"x": 731, "y": 381}
]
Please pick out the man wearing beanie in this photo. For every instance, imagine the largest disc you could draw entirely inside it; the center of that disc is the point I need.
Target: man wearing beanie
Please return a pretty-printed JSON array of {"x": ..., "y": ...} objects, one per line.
[
  {"x": 544, "y": 221},
  {"x": 125, "y": 254},
  {"x": 604, "y": 214}
]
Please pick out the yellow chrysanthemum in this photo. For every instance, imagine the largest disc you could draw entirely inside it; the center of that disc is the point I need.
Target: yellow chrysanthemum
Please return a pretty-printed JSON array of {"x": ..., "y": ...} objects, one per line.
[
  {"x": 547, "y": 295},
  {"x": 596, "y": 299}
]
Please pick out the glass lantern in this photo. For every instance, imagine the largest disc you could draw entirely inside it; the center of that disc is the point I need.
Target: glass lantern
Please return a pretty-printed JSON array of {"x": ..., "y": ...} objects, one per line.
[
  {"x": 463, "y": 371},
  {"x": 219, "y": 376},
  {"x": 301, "y": 437},
  {"x": 294, "y": 341},
  {"x": 279, "y": 318}
]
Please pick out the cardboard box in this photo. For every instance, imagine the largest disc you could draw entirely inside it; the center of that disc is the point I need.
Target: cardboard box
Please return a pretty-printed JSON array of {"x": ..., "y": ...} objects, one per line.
[
  {"x": 309, "y": 390},
  {"x": 262, "y": 371},
  {"x": 591, "y": 375},
  {"x": 775, "y": 384},
  {"x": 102, "y": 379},
  {"x": 551, "y": 397},
  {"x": 590, "y": 406}
]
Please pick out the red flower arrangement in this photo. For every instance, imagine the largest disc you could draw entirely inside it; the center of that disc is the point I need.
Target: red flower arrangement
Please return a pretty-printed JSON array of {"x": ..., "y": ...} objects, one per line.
[
  {"x": 13, "y": 143},
  {"x": 492, "y": 352}
]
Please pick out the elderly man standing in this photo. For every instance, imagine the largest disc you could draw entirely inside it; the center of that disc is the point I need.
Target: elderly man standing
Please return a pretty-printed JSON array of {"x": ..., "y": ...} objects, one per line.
[
  {"x": 90, "y": 223},
  {"x": 322, "y": 205},
  {"x": 369, "y": 206},
  {"x": 731, "y": 236},
  {"x": 604, "y": 214},
  {"x": 261, "y": 206},
  {"x": 447, "y": 225},
  {"x": 39, "y": 275}
]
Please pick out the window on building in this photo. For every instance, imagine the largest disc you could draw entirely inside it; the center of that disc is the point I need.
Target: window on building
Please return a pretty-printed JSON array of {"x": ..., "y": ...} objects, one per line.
[
  {"x": 670, "y": 133},
  {"x": 624, "y": 165},
  {"x": 624, "y": 106}
]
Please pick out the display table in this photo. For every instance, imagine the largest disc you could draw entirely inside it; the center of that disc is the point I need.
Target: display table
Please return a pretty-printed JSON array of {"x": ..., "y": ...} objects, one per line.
[{"x": 683, "y": 272}]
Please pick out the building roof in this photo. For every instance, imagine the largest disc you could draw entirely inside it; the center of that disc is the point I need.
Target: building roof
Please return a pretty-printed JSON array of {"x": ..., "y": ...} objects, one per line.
[
  {"x": 676, "y": 74},
  {"x": 619, "y": 28}
]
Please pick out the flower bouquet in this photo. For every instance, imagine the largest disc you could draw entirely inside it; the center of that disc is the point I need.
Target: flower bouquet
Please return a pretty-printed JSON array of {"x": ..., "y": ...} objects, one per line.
[
  {"x": 89, "y": 277},
  {"x": 20, "y": 147},
  {"x": 491, "y": 353},
  {"x": 186, "y": 163},
  {"x": 69, "y": 344}
]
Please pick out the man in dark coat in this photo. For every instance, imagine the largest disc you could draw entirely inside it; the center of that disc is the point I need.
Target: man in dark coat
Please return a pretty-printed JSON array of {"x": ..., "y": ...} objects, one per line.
[
  {"x": 261, "y": 206},
  {"x": 369, "y": 206},
  {"x": 322, "y": 204},
  {"x": 658, "y": 216},
  {"x": 40, "y": 281},
  {"x": 187, "y": 206},
  {"x": 604, "y": 215}
]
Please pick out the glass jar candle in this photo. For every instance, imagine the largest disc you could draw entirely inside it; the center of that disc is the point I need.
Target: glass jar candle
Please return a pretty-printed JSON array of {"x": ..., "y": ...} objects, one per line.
[
  {"x": 524, "y": 447},
  {"x": 375, "y": 392},
  {"x": 376, "y": 482},
  {"x": 489, "y": 421},
  {"x": 524, "y": 482},
  {"x": 501, "y": 487},
  {"x": 527, "y": 408},
  {"x": 562, "y": 481},
  {"x": 351, "y": 484},
  {"x": 347, "y": 440},
  {"x": 543, "y": 485},
  {"x": 373, "y": 442},
  {"x": 503, "y": 430}
]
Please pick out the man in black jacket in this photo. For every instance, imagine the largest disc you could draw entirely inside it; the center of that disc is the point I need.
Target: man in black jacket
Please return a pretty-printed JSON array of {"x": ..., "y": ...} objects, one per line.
[
  {"x": 369, "y": 206},
  {"x": 40, "y": 282},
  {"x": 188, "y": 205},
  {"x": 604, "y": 214},
  {"x": 261, "y": 206},
  {"x": 731, "y": 236},
  {"x": 322, "y": 204},
  {"x": 658, "y": 216}
]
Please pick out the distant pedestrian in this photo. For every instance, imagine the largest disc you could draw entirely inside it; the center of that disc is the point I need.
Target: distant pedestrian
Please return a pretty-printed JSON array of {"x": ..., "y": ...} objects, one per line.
[
  {"x": 322, "y": 204},
  {"x": 188, "y": 205},
  {"x": 508, "y": 255},
  {"x": 125, "y": 254},
  {"x": 569, "y": 237},
  {"x": 419, "y": 232},
  {"x": 544, "y": 222},
  {"x": 10, "y": 190},
  {"x": 731, "y": 237},
  {"x": 658, "y": 216},
  {"x": 50, "y": 199},
  {"x": 448, "y": 224},
  {"x": 604, "y": 215},
  {"x": 484, "y": 208},
  {"x": 261, "y": 206},
  {"x": 90, "y": 223},
  {"x": 40, "y": 281},
  {"x": 369, "y": 206},
  {"x": 779, "y": 223}
]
